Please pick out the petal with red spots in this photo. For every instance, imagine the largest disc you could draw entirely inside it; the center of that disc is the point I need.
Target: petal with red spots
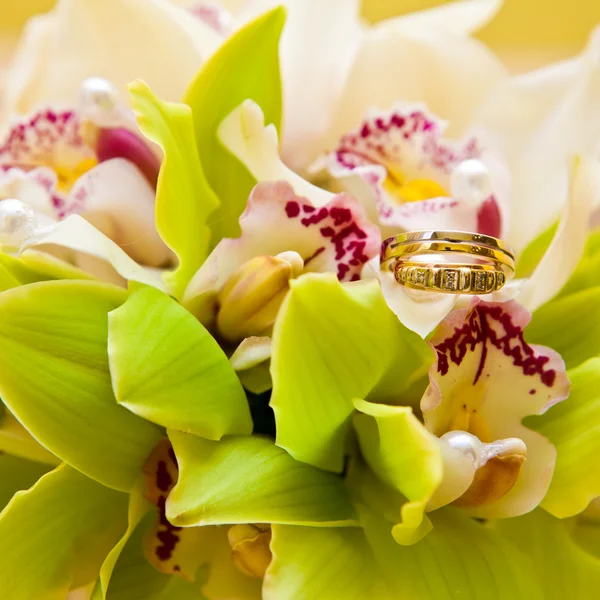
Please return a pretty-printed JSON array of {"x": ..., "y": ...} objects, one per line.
[
  {"x": 486, "y": 380},
  {"x": 170, "y": 549}
]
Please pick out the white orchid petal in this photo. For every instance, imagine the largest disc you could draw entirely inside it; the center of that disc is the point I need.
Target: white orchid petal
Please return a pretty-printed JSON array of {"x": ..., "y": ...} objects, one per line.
[
  {"x": 538, "y": 121},
  {"x": 464, "y": 16},
  {"x": 318, "y": 45},
  {"x": 75, "y": 233},
  {"x": 561, "y": 258},
  {"x": 485, "y": 381},
  {"x": 419, "y": 311},
  {"x": 251, "y": 352},
  {"x": 244, "y": 134},
  {"x": 117, "y": 189},
  {"x": 86, "y": 38},
  {"x": 334, "y": 238},
  {"x": 451, "y": 74}
]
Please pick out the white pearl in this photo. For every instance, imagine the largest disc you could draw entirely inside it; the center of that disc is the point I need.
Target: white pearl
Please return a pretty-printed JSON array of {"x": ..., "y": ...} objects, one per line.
[
  {"x": 470, "y": 182},
  {"x": 17, "y": 222},
  {"x": 466, "y": 443},
  {"x": 98, "y": 93}
]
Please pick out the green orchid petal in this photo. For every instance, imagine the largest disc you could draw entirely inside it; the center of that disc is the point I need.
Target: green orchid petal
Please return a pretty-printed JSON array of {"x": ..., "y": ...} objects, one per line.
[
  {"x": 184, "y": 199},
  {"x": 570, "y": 325},
  {"x": 17, "y": 474},
  {"x": 54, "y": 537},
  {"x": 133, "y": 577},
  {"x": 585, "y": 276},
  {"x": 34, "y": 266},
  {"x": 250, "y": 480},
  {"x": 460, "y": 558},
  {"x": 562, "y": 568},
  {"x": 573, "y": 426},
  {"x": 139, "y": 507},
  {"x": 324, "y": 564},
  {"x": 403, "y": 454},
  {"x": 166, "y": 367},
  {"x": 333, "y": 343},
  {"x": 16, "y": 440},
  {"x": 246, "y": 66},
  {"x": 586, "y": 534},
  {"x": 54, "y": 377},
  {"x": 534, "y": 252}
]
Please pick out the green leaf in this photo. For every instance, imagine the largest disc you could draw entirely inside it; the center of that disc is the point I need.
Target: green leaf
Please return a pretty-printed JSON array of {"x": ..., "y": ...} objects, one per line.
[
  {"x": 333, "y": 343},
  {"x": 16, "y": 440},
  {"x": 562, "y": 569},
  {"x": 322, "y": 564},
  {"x": 573, "y": 426},
  {"x": 54, "y": 377},
  {"x": 570, "y": 325},
  {"x": 246, "y": 66},
  {"x": 250, "y": 480},
  {"x": 17, "y": 474},
  {"x": 184, "y": 199},
  {"x": 55, "y": 536},
  {"x": 166, "y": 367},
  {"x": 404, "y": 455},
  {"x": 34, "y": 266}
]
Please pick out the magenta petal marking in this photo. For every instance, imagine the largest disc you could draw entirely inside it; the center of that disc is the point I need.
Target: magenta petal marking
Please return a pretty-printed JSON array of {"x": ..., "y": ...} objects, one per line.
[
  {"x": 120, "y": 143},
  {"x": 489, "y": 218},
  {"x": 492, "y": 325},
  {"x": 34, "y": 140},
  {"x": 339, "y": 232}
]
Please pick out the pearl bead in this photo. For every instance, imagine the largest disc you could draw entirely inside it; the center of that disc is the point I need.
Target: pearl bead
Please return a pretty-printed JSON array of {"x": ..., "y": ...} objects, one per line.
[
  {"x": 470, "y": 182},
  {"x": 98, "y": 93}
]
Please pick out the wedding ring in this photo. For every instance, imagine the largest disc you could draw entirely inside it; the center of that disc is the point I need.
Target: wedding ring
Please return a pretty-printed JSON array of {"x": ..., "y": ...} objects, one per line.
[{"x": 413, "y": 258}]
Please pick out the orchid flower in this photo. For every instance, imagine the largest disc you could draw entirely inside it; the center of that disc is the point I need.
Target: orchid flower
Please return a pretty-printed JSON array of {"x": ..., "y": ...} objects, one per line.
[
  {"x": 58, "y": 163},
  {"x": 79, "y": 40},
  {"x": 351, "y": 457},
  {"x": 426, "y": 57}
]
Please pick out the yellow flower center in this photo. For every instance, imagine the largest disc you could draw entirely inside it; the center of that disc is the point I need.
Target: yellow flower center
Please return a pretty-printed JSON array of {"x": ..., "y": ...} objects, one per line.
[
  {"x": 69, "y": 174},
  {"x": 406, "y": 190}
]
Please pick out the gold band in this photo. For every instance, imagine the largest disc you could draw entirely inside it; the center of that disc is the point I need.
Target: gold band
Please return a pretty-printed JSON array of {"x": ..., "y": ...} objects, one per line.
[
  {"x": 391, "y": 245},
  {"x": 405, "y": 251},
  {"x": 488, "y": 261},
  {"x": 451, "y": 278}
]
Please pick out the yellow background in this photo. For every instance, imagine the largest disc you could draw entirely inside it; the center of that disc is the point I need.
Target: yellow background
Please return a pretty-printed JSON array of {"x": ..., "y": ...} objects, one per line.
[{"x": 525, "y": 32}]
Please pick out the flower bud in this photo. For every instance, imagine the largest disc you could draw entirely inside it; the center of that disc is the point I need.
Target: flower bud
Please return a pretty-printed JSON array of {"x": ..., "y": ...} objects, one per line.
[
  {"x": 250, "y": 549},
  {"x": 251, "y": 298}
]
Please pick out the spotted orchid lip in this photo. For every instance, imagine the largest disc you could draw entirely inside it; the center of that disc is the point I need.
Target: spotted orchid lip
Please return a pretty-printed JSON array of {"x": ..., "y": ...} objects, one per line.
[{"x": 119, "y": 142}]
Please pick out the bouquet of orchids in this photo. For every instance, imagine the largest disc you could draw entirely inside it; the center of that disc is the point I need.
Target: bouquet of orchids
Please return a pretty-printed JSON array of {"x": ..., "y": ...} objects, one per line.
[{"x": 296, "y": 308}]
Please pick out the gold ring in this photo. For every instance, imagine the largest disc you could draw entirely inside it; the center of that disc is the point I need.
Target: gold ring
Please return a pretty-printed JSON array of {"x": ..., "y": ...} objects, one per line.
[{"x": 489, "y": 262}]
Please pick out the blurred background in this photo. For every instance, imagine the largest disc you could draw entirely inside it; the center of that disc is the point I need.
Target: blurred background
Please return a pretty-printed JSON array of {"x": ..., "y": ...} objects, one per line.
[{"x": 526, "y": 33}]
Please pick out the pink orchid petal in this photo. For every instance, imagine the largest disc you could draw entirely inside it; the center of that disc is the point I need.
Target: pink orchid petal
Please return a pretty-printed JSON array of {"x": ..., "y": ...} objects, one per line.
[
  {"x": 335, "y": 237},
  {"x": 409, "y": 140},
  {"x": 485, "y": 363}
]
